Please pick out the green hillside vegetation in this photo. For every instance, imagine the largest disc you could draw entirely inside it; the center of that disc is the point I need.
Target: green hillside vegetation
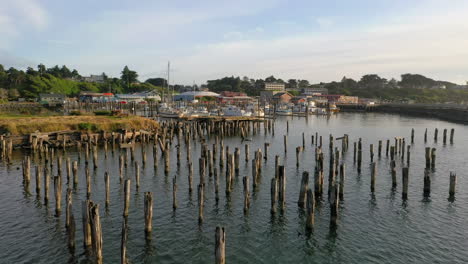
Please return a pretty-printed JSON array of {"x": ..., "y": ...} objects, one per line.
[
  {"x": 411, "y": 87},
  {"x": 16, "y": 83}
]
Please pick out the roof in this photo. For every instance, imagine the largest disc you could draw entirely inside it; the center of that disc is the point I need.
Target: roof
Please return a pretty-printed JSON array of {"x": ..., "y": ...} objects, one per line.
[
  {"x": 281, "y": 94},
  {"x": 199, "y": 93}
]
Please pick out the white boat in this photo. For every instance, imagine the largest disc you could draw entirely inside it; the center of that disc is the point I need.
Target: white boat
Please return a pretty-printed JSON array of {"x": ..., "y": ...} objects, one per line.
[
  {"x": 169, "y": 112},
  {"x": 199, "y": 111},
  {"x": 235, "y": 111},
  {"x": 283, "y": 111}
]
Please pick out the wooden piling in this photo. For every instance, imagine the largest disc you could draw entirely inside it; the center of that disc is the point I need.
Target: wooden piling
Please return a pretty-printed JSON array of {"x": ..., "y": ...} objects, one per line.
[
  {"x": 200, "y": 203},
  {"x": 86, "y": 223},
  {"x": 285, "y": 141},
  {"x": 393, "y": 173},
  {"x": 68, "y": 208},
  {"x": 96, "y": 233},
  {"x": 246, "y": 153},
  {"x": 220, "y": 241},
  {"x": 342, "y": 180},
  {"x": 38, "y": 180},
  {"x": 452, "y": 185},
  {"x": 245, "y": 181},
  {"x": 107, "y": 184},
  {"x": 310, "y": 210},
  {"x": 405, "y": 183},
  {"x": 174, "y": 193},
  {"x": 433, "y": 158},
  {"x": 58, "y": 195},
  {"x": 126, "y": 197},
  {"x": 373, "y": 175},
  {"x": 148, "y": 214},
  {"x": 452, "y": 133},
  {"x": 282, "y": 187},
  {"x": 46, "y": 184},
  {"x": 274, "y": 194},
  {"x": 427, "y": 184},
  {"x": 303, "y": 189}
]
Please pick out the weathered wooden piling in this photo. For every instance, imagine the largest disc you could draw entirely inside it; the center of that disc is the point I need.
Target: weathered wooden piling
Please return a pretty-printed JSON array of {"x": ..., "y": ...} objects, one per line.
[
  {"x": 166, "y": 159},
  {"x": 310, "y": 210},
  {"x": 69, "y": 170},
  {"x": 68, "y": 208},
  {"x": 274, "y": 194},
  {"x": 86, "y": 223},
  {"x": 425, "y": 136},
  {"x": 107, "y": 185},
  {"x": 26, "y": 170},
  {"x": 387, "y": 147},
  {"x": 380, "y": 148},
  {"x": 46, "y": 184},
  {"x": 359, "y": 156},
  {"x": 246, "y": 153},
  {"x": 237, "y": 159},
  {"x": 96, "y": 232},
  {"x": 412, "y": 136},
  {"x": 200, "y": 202},
  {"x": 88, "y": 183},
  {"x": 148, "y": 214},
  {"x": 433, "y": 158},
  {"x": 174, "y": 193},
  {"x": 220, "y": 245},
  {"x": 190, "y": 176},
  {"x": 58, "y": 194},
  {"x": 405, "y": 183},
  {"x": 285, "y": 141},
  {"x": 436, "y": 134},
  {"x": 452, "y": 133},
  {"x": 38, "y": 180},
  {"x": 371, "y": 150},
  {"x": 452, "y": 185},
  {"x": 137, "y": 175},
  {"x": 298, "y": 150},
  {"x": 428, "y": 157},
  {"x": 282, "y": 187},
  {"x": 373, "y": 175},
  {"x": 393, "y": 173},
  {"x": 303, "y": 189},
  {"x": 334, "y": 204},
  {"x": 126, "y": 197},
  {"x": 245, "y": 181},
  {"x": 342, "y": 181},
  {"x": 427, "y": 183},
  {"x": 444, "y": 140}
]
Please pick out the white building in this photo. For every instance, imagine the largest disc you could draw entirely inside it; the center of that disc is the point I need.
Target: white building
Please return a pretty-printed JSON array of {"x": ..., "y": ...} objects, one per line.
[{"x": 273, "y": 86}]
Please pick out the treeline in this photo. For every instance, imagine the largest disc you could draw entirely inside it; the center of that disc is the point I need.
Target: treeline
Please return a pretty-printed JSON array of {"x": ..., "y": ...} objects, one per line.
[
  {"x": 16, "y": 83},
  {"x": 411, "y": 87}
]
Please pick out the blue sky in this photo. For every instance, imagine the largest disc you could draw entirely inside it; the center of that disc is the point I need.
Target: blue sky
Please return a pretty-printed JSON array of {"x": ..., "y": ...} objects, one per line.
[{"x": 207, "y": 39}]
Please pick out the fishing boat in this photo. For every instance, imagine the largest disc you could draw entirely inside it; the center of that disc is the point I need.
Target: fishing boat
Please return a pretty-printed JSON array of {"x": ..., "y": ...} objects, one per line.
[
  {"x": 235, "y": 111},
  {"x": 284, "y": 111},
  {"x": 169, "y": 112}
]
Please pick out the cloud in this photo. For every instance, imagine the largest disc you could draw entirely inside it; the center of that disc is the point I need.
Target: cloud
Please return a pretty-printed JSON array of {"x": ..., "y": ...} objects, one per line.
[
  {"x": 32, "y": 12},
  {"x": 233, "y": 35},
  {"x": 325, "y": 22}
]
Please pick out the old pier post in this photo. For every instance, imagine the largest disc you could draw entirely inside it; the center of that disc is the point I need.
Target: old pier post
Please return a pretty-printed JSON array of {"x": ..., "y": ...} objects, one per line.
[
  {"x": 405, "y": 183},
  {"x": 282, "y": 187},
  {"x": 245, "y": 181},
  {"x": 453, "y": 182},
  {"x": 58, "y": 194},
  {"x": 220, "y": 245},
  {"x": 303, "y": 191},
  {"x": 310, "y": 210},
  {"x": 427, "y": 184},
  {"x": 342, "y": 180},
  {"x": 148, "y": 214},
  {"x": 126, "y": 197},
  {"x": 373, "y": 175}
]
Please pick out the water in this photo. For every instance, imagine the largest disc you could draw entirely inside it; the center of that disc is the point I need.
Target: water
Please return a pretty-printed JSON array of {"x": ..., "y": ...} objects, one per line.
[{"x": 371, "y": 229}]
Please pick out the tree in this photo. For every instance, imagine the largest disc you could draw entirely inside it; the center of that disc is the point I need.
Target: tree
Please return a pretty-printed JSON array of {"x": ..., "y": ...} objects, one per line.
[
  {"x": 65, "y": 72},
  {"x": 157, "y": 81},
  {"x": 13, "y": 94},
  {"x": 270, "y": 79},
  {"x": 128, "y": 76},
  {"x": 3, "y": 93},
  {"x": 292, "y": 83},
  {"x": 75, "y": 74},
  {"x": 41, "y": 69},
  {"x": 372, "y": 81},
  {"x": 31, "y": 71},
  {"x": 303, "y": 84},
  {"x": 2, "y": 69}
]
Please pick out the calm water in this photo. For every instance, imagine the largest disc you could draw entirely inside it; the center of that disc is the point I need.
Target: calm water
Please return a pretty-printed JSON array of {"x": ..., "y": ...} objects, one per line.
[{"x": 371, "y": 229}]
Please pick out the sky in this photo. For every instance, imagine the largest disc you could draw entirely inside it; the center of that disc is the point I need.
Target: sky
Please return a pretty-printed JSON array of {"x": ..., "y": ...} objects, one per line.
[{"x": 315, "y": 40}]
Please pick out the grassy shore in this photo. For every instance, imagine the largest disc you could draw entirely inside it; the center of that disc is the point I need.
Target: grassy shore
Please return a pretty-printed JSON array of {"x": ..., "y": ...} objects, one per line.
[{"x": 22, "y": 125}]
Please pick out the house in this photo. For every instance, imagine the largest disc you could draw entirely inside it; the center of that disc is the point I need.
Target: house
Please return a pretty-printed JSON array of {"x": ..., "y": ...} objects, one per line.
[
  {"x": 282, "y": 97},
  {"x": 314, "y": 91},
  {"x": 92, "y": 97},
  {"x": 299, "y": 99},
  {"x": 138, "y": 97},
  {"x": 94, "y": 78},
  {"x": 273, "y": 86},
  {"x": 348, "y": 100},
  {"x": 228, "y": 97},
  {"x": 52, "y": 99}
]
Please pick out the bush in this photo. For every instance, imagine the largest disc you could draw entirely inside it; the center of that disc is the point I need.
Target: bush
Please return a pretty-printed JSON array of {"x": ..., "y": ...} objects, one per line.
[
  {"x": 87, "y": 126},
  {"x": 103, "y": 113},
  {"x": 76, "y": 113}
]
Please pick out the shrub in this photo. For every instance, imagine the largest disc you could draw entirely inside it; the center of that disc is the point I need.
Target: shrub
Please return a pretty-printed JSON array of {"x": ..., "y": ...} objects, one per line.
[
  {"x": 76, "y": 113},
  {"x": 87, "y": 126},
  {"x": 103, "y": 113}
]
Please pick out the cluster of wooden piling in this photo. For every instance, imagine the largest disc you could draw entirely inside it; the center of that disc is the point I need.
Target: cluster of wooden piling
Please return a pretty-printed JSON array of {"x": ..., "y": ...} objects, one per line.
[{"x": 214, "y": 161}]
